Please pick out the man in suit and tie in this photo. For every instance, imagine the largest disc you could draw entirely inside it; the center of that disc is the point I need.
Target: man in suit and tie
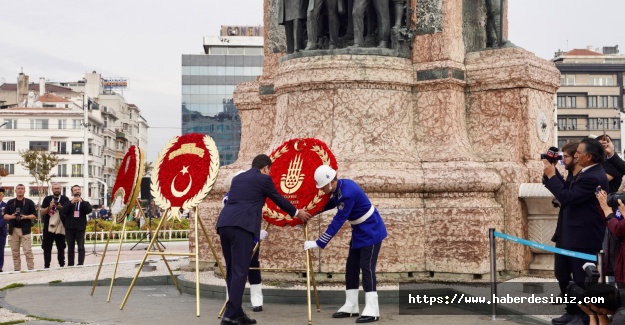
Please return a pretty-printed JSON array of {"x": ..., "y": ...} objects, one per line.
[
  {"x": 239, "y": 223},
  {"x": 583, "y": 227}
]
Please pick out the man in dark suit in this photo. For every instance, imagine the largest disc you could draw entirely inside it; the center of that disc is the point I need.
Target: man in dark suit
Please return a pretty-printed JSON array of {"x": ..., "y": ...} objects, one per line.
[
  {"x": 583, "y": 227},
  {"x": 74, "y": 217},
  {"x": 239, "y": 223}
]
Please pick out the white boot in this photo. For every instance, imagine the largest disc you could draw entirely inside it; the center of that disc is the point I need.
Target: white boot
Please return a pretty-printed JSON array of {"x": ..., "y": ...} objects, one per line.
[
  {"x": 256, "y": 296},
  {"x": 350, "y": 308},
  {"x": 371, "y": 313}
]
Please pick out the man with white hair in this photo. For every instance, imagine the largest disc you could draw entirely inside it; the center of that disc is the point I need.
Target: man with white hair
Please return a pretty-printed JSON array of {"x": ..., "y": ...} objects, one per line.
[{"x": 368, "y": 232}]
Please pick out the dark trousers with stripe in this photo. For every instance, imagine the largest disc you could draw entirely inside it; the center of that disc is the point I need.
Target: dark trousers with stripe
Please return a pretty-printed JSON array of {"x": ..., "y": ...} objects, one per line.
[
  {"x": 237, "y": 245},
  {"x": 362, "y": 259}
]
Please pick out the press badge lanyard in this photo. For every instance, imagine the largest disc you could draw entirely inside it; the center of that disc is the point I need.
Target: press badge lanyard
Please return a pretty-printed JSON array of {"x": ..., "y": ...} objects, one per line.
[{"x": 77, "y": 211}]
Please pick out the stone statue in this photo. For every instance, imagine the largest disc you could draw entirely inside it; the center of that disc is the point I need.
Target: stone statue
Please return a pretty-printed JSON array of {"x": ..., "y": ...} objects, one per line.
[
  {"x": 312, "y": 23},
  {"x": 383, "y": 23},
  {"x": 290, "y": 14},
  {"x": 494, "y": 32},
  {"x": 399, "y": 12}
]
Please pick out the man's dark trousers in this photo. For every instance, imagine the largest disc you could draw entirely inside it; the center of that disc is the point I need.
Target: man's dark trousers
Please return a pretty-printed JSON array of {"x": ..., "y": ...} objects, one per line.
[
  {"x": 49, "y": 239},
  {"x": 75, "y": 236},
  {"x": 237, "y": 245}
]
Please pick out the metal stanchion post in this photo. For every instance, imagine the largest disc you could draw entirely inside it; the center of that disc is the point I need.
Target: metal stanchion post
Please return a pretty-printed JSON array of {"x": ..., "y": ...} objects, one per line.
[{"x": 493, "y": 271}]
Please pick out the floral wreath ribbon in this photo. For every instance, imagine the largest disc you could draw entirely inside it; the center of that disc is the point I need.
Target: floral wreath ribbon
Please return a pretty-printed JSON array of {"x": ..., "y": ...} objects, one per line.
[
  {"x": 292, "y": 171},
  {"x": 184, "y": 172}
]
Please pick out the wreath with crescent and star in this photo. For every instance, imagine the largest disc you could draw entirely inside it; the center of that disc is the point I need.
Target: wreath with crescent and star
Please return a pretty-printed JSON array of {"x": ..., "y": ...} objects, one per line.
[
  {"x": 184, "y": 172},
  {"x": 293, "y": 174},
  {"x": 127, "y": 184}
]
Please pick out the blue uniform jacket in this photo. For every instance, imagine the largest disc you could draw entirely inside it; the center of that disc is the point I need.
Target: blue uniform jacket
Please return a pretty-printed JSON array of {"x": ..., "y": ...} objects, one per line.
[
  {"x": 246, "y": 199},
  {"x": 352, "y": 203},
  {"x": 3, "y": 223}
]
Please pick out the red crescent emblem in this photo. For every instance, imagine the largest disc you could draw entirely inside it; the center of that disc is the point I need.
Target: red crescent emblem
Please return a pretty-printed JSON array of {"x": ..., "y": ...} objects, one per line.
[
  {"x": 184, "y": 169},
  {"x": 293, "y": 174}
]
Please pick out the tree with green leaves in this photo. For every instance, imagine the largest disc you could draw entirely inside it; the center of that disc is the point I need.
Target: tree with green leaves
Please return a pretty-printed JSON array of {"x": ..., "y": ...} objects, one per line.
[
  {"x": 147, "y": 169},
  {"x": 39, "y": 164}
]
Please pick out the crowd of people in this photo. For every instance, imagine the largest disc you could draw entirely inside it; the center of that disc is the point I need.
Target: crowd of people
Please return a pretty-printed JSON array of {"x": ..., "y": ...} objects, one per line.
[{"x": 587, "y": 223}]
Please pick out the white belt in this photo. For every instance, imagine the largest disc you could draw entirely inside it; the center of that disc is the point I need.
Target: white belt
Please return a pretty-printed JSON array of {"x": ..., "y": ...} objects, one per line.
[{"x": 364, "y": 217}]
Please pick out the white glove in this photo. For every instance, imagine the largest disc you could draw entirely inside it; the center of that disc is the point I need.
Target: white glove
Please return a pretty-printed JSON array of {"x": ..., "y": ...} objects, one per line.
[
  {"x": 263, "y": 234},
  {"x": 310, "y": 244}
]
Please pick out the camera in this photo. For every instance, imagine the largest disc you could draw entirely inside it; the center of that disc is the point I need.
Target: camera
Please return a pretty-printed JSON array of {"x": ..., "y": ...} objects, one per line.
[
  {"x": 76, "y": 195},
  {"x": 592, "y": 277},
  {"x": 552, "y": 155},
  {"x": 18, "y": 214},
  {"x": 613, "y": 198}
]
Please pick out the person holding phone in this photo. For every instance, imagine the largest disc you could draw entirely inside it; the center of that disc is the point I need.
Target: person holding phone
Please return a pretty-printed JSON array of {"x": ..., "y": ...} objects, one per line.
[
  {"x": 20, "y": 213},
  {"x": 74, "y": 217},
  {"x": 616, "y": 225},
  {"x": 49, "y": 205}
]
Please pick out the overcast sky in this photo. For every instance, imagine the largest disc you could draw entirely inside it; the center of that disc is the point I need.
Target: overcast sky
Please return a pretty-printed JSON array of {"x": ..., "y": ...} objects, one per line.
[{"x": 144, "y": 40}]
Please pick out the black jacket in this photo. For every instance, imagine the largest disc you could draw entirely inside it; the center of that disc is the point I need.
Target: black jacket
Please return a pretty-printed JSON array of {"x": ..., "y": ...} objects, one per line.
[
  {"x": 71, "y": 222},
  {"x": 27, "y": 207}
]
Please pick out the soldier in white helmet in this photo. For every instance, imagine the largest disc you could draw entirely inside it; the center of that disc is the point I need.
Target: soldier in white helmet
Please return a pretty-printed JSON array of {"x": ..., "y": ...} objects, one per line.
[{"x": 368, "y": 232}]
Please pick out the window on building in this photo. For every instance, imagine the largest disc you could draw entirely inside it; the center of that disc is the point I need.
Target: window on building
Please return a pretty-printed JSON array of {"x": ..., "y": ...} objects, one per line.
[
  {"x": 561, "y": 101},
  {"x": 600, "y": 81},
  {"x": 561, "y": 123},
  {"x": 617, "y": 145},
  {"x": 572, "y": 124},
  {"x": 567, "y": 80},
  {"x": 62, "y": 124},
  {"x": 77, "y": 148},
  {"x": 603, "y": 101},
  {"x": 9, "y": 168},
  {"x": 38, "y": 191},
  {"x": 90, "y": 169},
  {"x": 9, "y": 192},
  {"x": 217, "y": 50},
  {"x": 615, "y": 124},
  {"x": 592, "y": 124},
  {"x": 77, "y": 170},
  {"x": 10, "y": 124},
  {"x": 7, "y": 145},
  {"x": 77, "y": 124},
  {"x": 62, "y": 170},
  {"x": 592, "y": 101},
  {"x": 61, "y": 147},
  {"x": 614, "y": 101},
  {"x": 38, "y": 145},
  {"x": 39, "y": 124},
  {"x": 572, "y": 101}
]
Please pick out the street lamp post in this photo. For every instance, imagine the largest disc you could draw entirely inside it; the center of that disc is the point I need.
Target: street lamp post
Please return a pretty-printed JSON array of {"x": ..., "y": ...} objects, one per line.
[{"x": 106, "y": 190}]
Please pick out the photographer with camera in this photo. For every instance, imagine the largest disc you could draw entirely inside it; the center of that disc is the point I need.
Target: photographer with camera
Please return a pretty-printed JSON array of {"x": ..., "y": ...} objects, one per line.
[
  {"x": 20, "y": 212},
  {"x": 606, "y": 301},
  {"x": 616, "y": 225},
  {"x": 74, "y": 217},
  {"x": 561, "y": 266},
  {"x": 52, "y": 204},
  {"x": 614, "y": 166},
  {"x": 582, "y": 228}
]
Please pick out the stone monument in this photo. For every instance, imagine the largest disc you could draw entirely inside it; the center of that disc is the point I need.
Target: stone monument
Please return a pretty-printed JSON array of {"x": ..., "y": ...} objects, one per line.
[{"x": 440, "y": 139}]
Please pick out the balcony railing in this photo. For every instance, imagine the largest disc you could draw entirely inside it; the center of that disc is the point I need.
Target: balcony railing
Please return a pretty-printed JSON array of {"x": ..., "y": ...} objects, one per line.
[{"x": 77, "y": 175}]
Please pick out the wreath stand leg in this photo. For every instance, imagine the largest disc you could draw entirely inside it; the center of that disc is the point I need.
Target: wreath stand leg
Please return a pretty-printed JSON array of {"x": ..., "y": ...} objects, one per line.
[
  {"x": 121, "y": 240},
  {"x": 311, "y": 273}
]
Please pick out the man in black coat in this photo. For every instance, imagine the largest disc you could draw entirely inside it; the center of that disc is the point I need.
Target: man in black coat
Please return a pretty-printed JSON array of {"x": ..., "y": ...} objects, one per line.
[
  {"x": 74, "y": 217},
  {"x": 239, "y": 223},
  {"x": 583, "y": 227},
  {"x": 49, "y": 205}
]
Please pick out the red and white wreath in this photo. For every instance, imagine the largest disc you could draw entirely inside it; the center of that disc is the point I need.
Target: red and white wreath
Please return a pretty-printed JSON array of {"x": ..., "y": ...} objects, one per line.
[
  {"x": 293, "y": 174},
  {"x": 185, "y": 172},
  {"x": 127, "y": 184}
]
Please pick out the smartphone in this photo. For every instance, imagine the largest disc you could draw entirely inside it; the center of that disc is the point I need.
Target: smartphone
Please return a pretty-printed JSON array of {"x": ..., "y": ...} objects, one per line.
[{"x": 598, "y": 190}]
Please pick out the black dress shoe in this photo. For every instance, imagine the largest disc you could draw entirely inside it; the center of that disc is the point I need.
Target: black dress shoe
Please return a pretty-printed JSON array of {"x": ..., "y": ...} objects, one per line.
[
  {"x": 244, "y": 320},
  {"x": 228, "y": 321},
  {"x": 367, "y": 319},
  {"x": 257, "y": 308},
  {"x": 340, "y": 314}
]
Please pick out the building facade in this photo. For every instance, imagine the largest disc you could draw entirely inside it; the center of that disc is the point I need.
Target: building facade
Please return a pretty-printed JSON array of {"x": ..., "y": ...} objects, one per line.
[
  {"x": 50, "y": 116},
  {"x": 590, "y": 98},
  {"x": 208, "y": 82}
]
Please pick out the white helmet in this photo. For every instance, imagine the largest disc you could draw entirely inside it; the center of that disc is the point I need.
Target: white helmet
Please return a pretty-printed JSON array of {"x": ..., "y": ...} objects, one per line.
[{"x": 324, "y": 175}]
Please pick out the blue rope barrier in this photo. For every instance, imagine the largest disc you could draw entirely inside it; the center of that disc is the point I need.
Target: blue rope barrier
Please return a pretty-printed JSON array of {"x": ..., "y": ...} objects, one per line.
[{"x": 548, "y": 248}]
